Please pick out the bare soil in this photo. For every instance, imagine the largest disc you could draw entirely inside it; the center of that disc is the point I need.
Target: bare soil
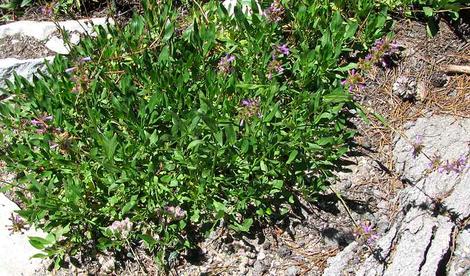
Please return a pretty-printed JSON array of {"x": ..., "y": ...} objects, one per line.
[{"x": 23, "y": 47}]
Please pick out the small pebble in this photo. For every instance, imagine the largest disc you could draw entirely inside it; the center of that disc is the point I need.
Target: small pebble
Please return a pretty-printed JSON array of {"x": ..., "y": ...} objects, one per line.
[
  {"x": 284, "y": 251},
  {"x": 292, "y": 271}
]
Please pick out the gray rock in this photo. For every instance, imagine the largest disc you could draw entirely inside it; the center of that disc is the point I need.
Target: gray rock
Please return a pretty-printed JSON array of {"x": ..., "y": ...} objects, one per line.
[
  {"x": 459, "y": 265},
  {"x": 418, "y": 241},
  {"x": 58, "y": 45},
  {"x": 284, "y": 251},
  {"x": 292, "y": 271},
  {"x": 259, "y": 268},
  {"x": 16, "y": 250},
  {"x": 338, "y": 263},
  {"x": 43, "y": 30},
  {"x": 25, "y": 68}
]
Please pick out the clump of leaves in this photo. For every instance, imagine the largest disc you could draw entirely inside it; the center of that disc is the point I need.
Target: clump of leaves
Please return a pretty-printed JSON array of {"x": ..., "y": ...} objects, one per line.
[{"x": 165, "y": 125}]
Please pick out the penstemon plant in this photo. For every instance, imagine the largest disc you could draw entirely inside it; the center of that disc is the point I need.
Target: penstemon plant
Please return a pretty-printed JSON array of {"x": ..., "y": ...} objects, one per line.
[{"x": 152, "y": 131}]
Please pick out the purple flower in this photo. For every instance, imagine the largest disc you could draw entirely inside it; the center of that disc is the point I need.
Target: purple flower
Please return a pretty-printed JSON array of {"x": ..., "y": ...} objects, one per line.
[
  {"x": 365, "y": 233},
  {"x": 176, "y": 212},
  {"x": 275, "y": 66},
  {"x": 41, "y": 123},
  {"x": 283, "y": 49},
  {"x": 47, "y": 10},
  {"x": 367, "y": 228},
  {"x": 35, "y": 122},
  {"x": 85, "y": 59},
  {"x": 70, "y": 70},
  {"x": 275, "y": 12},
  {"x": 354, "y": 81},
  {"x": 457, "y": 166},
  {"x": 225, "y": 64},
  {"x": 250, "y": 102},
  {"x": 248, "y": 109},
  {"x": 382, "y": 53},
  {"x": 121, "y": 228}
]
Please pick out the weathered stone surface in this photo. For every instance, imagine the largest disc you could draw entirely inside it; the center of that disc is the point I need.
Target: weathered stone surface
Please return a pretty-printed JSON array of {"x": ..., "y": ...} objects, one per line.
[
  {"x": 25, "y": 68},
  {"x": 16, "y": 250},
  {"x": 459, "y": 265},
  {"x": 340, "y": 262},
  {"x": 57, "y": 45},
  {"x": 432, "y": 207},
  {"x": 43, "y": 30}
]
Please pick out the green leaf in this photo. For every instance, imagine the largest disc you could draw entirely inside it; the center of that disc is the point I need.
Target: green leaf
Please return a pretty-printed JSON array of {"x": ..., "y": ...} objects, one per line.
[
  {"x": 292, "y": 156},
  {"x": 428, "y": 11},
  {"x": 39, "y": 256},
  {"x": 278, "y": 184},
  {"x": 231, "y": 136},
  {"x": 244, "y": 227},
  {"x": 263, "y": 166},
  {"x": 129, "y": 205},
  {"x": 149, "y": 240},
  {"x": 351, "y": 29},
  {"x": 194, "y": 144},
  {"x": 109, "y": 144},
  {"x": 196, "y": 216},
  {"x": 169, "y": 29},
  {"x": 38, "y": 242},
  {"x": 219, "y": 206}
]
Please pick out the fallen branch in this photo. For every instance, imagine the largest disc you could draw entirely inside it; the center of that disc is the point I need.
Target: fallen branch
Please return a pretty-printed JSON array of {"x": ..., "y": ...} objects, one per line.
[{"x": 456, "y": 68}]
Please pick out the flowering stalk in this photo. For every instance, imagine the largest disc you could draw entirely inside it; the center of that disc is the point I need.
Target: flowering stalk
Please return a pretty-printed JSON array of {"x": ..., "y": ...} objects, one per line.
[
  {"x": 354, "y": 81},
  {"x": 248, "y": 109},
  {"x": 381, "y": 54},
  {"x": 122, "y": 228},
  {"x": 275, "y": 12},
  {"x": 41, "y": 123},
  {"x": 366, "y": 233},
  {"x": 225, "y": 64}
]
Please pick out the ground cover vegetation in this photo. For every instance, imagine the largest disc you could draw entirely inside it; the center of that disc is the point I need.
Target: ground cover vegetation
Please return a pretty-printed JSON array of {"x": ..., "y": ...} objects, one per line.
[{"x": 188, "y": 116}]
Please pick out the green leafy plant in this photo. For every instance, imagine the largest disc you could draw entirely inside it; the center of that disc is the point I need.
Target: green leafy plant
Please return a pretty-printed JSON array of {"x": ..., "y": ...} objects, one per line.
[{"x": 153, "y": 131}]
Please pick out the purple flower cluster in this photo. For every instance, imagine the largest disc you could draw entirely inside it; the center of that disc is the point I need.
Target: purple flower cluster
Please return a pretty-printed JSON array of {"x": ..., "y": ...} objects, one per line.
[
  {"x": 382, "y": 54},
  {"x": 18, "y": 224},
  {"x": 275, "y": 65},
  {"x": 47, "y": 10},
  {"x": 456, "y": 166},
  {"x": 365, "y": 232},
  {"x": 354, "y": 81},
  {"x": 248, "y": 109},
  {"x": 121, "y": 228},
  {"x": 283, "y": 49},
  {"x": 275, "y": 12},
  {"x": 176, "y": 212},
  {"x": 225, "y": 64},
  {"x": 41, "y": 123}
]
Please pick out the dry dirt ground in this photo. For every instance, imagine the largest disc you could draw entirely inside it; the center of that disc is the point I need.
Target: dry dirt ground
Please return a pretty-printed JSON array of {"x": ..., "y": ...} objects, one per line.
[
  {"x": 302, "y": 244},
  {"x": 22, "y": 47}
]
